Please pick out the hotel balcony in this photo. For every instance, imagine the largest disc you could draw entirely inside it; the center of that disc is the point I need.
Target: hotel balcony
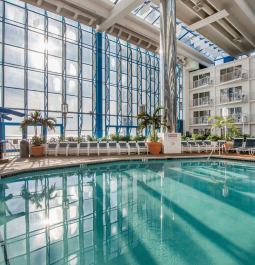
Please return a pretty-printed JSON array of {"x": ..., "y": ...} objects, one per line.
[
  {"x": 236, "y": 75},
  {"x": 232, "y": 98},
  {"x": 239, "y": 118},
  {"x": 202, "y": 120},
  {"x": 201, "y": 83},
  {"x": 202, "y": 102}
]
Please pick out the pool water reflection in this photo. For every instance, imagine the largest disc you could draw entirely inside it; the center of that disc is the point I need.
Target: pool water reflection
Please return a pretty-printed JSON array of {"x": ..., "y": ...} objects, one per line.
[{"x": 156, "y": 212}]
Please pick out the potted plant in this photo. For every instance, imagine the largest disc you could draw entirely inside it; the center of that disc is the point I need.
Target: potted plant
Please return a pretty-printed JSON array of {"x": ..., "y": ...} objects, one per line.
[
  {"x": 34, "y": 119},
  {"x": 152, "y": 123}
]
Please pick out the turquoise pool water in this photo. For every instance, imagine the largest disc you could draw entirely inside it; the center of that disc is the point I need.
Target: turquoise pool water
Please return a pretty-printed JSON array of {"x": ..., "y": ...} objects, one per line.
[{"x": 156, "y": 212}]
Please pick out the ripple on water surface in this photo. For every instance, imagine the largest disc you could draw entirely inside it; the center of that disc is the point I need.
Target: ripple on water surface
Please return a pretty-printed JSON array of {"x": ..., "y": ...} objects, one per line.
[{"x": 155, "y": 212}]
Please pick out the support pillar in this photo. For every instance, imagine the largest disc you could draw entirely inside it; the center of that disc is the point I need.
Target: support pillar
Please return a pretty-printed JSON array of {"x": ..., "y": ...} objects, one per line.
[{"x": 168, "y": 60}]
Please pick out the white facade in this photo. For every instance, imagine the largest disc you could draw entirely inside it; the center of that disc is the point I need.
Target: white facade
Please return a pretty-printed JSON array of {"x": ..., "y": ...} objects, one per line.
[{"x": 207, "y": 91}]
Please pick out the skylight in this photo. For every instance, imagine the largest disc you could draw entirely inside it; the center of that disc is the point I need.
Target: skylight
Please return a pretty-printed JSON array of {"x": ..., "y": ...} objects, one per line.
[{"x": 191, "y": 38}]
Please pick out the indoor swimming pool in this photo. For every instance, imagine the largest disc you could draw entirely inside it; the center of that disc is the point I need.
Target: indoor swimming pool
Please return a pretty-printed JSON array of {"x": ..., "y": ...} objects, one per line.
[{"x": 151, "y": 212}]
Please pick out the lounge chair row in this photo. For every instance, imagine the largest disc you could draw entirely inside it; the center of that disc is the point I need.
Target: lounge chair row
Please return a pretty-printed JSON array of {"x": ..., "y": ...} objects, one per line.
[
  {"x": 238, "y": 145},
  {"x": 201, "y": 146},
  {"x": 103, "y": 147}
]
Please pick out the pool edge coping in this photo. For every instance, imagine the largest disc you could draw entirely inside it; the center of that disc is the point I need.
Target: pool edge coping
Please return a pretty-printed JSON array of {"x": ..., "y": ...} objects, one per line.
[{"x": 112, "y": 160}]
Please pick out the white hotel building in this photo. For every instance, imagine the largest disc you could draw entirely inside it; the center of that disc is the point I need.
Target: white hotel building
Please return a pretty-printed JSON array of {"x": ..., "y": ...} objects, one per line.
[{"x": 230, "y": 85}]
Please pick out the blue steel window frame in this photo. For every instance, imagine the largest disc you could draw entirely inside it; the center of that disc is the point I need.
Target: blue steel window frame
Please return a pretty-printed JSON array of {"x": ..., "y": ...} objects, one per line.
[{"x": 137, "y": 61}]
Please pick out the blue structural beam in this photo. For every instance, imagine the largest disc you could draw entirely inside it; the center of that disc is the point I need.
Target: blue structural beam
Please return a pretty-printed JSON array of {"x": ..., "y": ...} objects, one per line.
[
  {"x": 13, "y": 112},
  {"x": 5, "y": 117},
  {"x": 99, "y": 85}
]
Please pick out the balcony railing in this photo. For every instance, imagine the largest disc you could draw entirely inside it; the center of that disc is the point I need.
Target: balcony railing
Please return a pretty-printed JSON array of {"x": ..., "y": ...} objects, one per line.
[
  {"x": 233, "y": 76},
  {"x": 206, "y": 81},
  {"x": 202, "y": 120},
  {"x": 204, "y": 101},
  {"x": 239, "y": 118},
  {"x": 233, "y": 98}
]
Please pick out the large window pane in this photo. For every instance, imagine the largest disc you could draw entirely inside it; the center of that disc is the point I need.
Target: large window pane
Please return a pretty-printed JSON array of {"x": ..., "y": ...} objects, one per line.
[
  {"x": 72, "y": 68},
  {"x": 72, "y": 103},
  {"x": 86, "y": 56},
  {"x": 87, "y": 71},
  {"x": 71, "y": 51},
  {"x": 55, "y": 84},
  {"x": 35, "y": 20},
  {"x": 14, "y": 98},
  {"x": 55, "y": 64},
  {"x": 14, "y": 55},
  {"x": 87, "y": 89},
  {"x": 55, "y": 27},
  {"x": 14, "y": 77},
  {"x": 14, "y": 35},
  {"x": 35, "y": 60},
  {"x": 86, "y": 105},
  {"x": 35, "y": 81},
  {"x": 55, "y": 47},
  {"x": 35, "y": 100},
  {"x": 14, "y": 13},
  {"x": 72, "y": 86},
  {"x": 36, "y": 41},
  {"x": 54, "y": 102}
]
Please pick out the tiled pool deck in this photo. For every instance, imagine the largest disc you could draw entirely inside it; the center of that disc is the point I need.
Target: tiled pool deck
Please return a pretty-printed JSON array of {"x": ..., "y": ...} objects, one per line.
[{"x": 18, "y": 165}]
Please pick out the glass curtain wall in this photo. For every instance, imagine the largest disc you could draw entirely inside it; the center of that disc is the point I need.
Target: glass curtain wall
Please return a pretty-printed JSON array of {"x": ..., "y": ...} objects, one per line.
[{"x": 47, "y": 59}]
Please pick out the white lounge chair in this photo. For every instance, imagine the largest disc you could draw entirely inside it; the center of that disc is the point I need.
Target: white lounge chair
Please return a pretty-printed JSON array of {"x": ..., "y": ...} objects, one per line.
[
  {"x": 201, "y": 145},
  {"x": 208, "y": 145},
  {"x": 73, "y": 149},
  {"x": 113, "y": 147},
  {"x": 51, "y": 149},
  {"x": 142, "y": 147},
  {"x": 185, "y": 146},
  {"x": 132, "y": 147},
  {"x": 63, "y": 148},
  {"x": 84, "y": 148},
  {"x": 194, "y": 146},
  {"x": 93, "y": 147},
  {"x": 102, "y": 147},
  {"x": 123, "y": 147}
]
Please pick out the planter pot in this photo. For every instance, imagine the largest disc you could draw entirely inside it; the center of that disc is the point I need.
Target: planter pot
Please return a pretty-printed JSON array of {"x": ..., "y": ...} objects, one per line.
[
  {"x": 154, "y": 148},
  {"x": 227, "y": 145},
  {"x": 37, "y": 150}
]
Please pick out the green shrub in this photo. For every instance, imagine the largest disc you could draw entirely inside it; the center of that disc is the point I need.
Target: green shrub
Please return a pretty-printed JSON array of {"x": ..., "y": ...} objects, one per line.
[
  {"x": 125, "y": 138},
  {"x": 139, "y": 137},
  {"x": 106, "y": 138},
  {"x": 91, "y": 139},
  {"x": 198, "y": 137},
  {"x": 37, "y": 140},
  {"x": 70, "y": 139},
  {"x": 214, "y": 137},
  {"x": 184, "y": 138}
]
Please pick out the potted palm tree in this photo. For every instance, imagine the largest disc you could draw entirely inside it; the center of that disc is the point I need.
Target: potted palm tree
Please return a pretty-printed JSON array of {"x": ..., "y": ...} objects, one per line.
[
  {"x": 34, "y": 119},
  {"x": 152, "y": 123}
]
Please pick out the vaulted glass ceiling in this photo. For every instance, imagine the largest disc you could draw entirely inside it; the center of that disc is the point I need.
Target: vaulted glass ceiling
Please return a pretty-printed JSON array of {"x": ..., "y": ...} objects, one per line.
[{"x": 191, "y": 38}]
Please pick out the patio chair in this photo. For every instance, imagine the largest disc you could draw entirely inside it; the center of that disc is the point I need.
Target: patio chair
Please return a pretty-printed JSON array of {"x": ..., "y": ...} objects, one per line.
[
  {"x": 73, "y": 148},
  {"x": 132, "y": 147},
  {"x": 63, "y": 148},
  {"x": 142, "y": 147},
  {"x": 185, "y": 146},
  {"x": 102, "y": 147},
  {"x": 123, "y": 147},
  {"x": 113, "y": 147},
  {"x": 51, "y": 149},
  {"x": 238, "y": 143},
  {"x": 93, "y": 147},
  {"x": 193, "y": 146},
  {"x": 201, "y": 145},
  {"x": 249, "y": 146},
  {"x": 84, "y": 148},
  {"x": 208, "y": 145}
]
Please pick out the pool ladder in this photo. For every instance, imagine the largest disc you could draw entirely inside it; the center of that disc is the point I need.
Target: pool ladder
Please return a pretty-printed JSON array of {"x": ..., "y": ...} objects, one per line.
[{"x": 212, "y": 152}]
